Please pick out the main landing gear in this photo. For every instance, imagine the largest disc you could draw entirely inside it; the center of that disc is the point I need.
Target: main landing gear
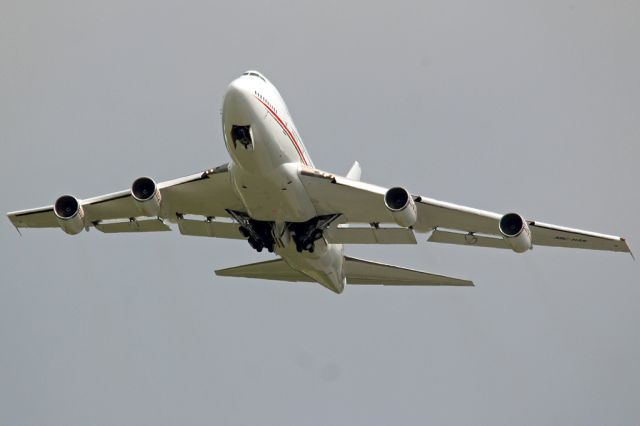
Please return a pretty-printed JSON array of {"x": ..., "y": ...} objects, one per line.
[
  {"x": 305, "y": 234},
  {"x": 260, "y": 234}
]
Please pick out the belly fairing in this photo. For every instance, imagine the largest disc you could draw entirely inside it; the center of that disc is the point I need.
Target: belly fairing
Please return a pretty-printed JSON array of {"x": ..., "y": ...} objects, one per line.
[
  {"x": 277, "y": 196},
  {"x": 324, "y": 265}
]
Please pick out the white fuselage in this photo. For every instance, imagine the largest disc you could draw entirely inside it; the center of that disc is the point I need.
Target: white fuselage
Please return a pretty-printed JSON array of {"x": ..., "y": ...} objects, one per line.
[{"x": 266, "y": 174}]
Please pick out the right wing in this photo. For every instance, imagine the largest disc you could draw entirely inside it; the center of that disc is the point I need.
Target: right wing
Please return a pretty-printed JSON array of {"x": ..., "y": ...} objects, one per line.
[
  {"x": 207, "y": 194},
  {"x": 360, "y": 202}
]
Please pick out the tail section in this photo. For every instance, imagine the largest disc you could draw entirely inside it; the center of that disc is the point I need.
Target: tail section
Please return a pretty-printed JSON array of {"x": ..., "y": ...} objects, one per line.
[
  {"x": 357, "y": 271},
  {"x": 354, "y": 172}
]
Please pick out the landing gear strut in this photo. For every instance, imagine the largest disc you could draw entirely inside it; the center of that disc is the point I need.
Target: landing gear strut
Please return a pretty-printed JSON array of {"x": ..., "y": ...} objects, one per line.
[{"x": 258, "y": 233}]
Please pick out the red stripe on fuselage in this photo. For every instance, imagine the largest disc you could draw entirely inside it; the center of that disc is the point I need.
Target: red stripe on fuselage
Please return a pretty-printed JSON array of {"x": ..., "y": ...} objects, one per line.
[{"x": 286, "y": 130}]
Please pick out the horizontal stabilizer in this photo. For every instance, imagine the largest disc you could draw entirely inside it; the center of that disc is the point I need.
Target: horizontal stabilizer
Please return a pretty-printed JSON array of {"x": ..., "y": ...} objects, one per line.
[
  {"x": 360, "y": 271},
  {"x": 357, "y": 271},
  {"x": 276, "y": 269}
]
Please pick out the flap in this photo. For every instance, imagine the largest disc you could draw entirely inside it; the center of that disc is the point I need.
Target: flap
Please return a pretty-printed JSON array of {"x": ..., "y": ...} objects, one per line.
[
  {"x": 209, "y": 228},
  {"x": 449, "y": 237},
  {"x": 132, "y": 225},
  {"x": 369, "y": 235}
]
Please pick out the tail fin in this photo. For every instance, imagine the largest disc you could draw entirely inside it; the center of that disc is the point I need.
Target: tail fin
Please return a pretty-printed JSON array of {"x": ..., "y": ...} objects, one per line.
[{"x": 354, "y": 172}]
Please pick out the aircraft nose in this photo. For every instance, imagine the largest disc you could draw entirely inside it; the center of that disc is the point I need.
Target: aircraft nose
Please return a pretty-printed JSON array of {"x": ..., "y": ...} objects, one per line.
[
  {"x": 239, "y": 115},
  {"x": 238, "y": 96}
]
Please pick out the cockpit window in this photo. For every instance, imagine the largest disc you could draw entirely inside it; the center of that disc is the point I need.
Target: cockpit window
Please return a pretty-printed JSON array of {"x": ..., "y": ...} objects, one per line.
[{"x": 255, "y": 74}]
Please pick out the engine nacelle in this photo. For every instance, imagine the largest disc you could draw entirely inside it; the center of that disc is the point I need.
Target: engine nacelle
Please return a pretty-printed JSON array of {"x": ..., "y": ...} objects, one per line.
[
  {"x": 402, "y": 207},
  {"x": 516, "y": 232},
  {"x": 70, "y": 214},
  {"x": 147, "y": 195}
]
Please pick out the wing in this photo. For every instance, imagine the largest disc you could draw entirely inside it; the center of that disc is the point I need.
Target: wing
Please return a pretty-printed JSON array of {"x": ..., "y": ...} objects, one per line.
[
  {"x": 360, "y": 202},
  {"x": 541, "y": 235},
  {"x": 207, "y": 194},
  {"x": 357, "y": 271}
]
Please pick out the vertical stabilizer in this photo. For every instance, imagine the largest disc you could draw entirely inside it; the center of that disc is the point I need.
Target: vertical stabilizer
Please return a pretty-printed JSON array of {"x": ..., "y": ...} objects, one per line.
[{"x": 354, "y": 172}]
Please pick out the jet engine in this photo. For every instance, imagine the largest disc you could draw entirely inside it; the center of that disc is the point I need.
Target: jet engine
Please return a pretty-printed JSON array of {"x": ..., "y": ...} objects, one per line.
[
  {"x": 402, "y": 207},
  {"x": 147, "y": 195},
  {"x": 516, "y": 232},
  {"x": 70, "y": 214}
]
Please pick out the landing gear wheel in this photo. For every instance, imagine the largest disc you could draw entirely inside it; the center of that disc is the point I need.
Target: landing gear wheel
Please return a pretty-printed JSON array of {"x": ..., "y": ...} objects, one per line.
[{"x": 256, "y": 245}]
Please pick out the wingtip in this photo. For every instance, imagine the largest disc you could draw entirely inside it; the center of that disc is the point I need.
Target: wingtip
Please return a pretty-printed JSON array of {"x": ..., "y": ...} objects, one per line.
[
  {"x": 626, "y": 244},
  {"x": 15, "y": 225}
]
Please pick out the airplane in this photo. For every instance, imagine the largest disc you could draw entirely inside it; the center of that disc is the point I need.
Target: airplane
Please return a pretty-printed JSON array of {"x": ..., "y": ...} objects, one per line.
[{"x": 272, "y": 195}]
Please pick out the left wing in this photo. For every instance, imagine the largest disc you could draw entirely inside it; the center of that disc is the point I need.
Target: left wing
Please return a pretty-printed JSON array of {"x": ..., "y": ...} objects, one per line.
[
  {"x": 360, "y": 202},
  {"x": 207, "y": 194}
]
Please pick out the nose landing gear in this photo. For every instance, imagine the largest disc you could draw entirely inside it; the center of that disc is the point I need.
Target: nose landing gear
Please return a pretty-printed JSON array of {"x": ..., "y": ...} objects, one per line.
[{"x": 242, "y": 135}]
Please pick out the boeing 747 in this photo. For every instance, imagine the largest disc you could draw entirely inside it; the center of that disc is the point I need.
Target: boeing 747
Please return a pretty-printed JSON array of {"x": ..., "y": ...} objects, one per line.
[{"x": 271, "y": 194}]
